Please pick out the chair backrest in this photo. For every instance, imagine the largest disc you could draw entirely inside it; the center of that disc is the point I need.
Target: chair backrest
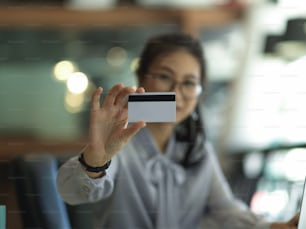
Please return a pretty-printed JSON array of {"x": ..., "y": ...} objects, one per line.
[{"x": 40, "y": 204}]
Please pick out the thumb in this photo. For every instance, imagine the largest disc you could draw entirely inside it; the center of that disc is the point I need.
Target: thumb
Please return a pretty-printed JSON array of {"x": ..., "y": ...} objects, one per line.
[{"x": 132, "y": 130}]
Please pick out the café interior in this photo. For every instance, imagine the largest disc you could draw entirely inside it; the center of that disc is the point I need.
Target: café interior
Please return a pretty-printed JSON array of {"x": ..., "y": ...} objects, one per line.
[{"x": 54, "y": 53}]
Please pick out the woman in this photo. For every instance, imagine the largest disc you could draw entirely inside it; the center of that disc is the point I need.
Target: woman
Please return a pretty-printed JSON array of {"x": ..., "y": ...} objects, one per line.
[{"x": 161, "y": 175}]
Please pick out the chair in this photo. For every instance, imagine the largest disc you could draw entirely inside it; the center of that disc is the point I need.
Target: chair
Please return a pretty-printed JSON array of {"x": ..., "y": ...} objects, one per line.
[{"x": 40, "y": 204}]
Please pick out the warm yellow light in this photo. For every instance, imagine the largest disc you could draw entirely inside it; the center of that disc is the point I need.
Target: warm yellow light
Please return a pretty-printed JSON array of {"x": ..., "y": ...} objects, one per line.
[
  {"x": 63, "y": 69},
  {"x": 134, "y": 64},
  {"x": 77, "y": 83},
  {"x": 116, "y": 56},
  {"x": 74, "y": 102}
]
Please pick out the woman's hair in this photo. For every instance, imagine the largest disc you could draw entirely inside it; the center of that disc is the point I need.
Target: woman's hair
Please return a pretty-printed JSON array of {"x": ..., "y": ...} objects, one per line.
[
  {"x": 168, "y": 43},
  {"x": 192, "y": 128}
]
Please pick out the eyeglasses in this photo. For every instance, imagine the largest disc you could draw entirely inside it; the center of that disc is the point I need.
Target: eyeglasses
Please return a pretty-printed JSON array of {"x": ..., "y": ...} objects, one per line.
[{"x": 189, "y": 88}]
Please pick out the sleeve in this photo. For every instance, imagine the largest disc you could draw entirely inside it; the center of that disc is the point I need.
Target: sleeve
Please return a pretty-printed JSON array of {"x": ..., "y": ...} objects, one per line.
[
  {"x": 76, "y": 187},
  {"x": 224, "y": 210}
]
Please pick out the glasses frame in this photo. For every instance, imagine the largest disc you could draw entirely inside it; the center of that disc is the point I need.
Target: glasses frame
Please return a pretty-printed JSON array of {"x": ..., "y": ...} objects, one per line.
[{"x": 199, "y": 87}]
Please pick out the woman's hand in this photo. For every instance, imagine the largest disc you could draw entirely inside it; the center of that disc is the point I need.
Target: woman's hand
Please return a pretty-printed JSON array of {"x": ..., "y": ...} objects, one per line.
[
  {"x": 291, "y": 224},
  {"x": 108, "y": 130}
]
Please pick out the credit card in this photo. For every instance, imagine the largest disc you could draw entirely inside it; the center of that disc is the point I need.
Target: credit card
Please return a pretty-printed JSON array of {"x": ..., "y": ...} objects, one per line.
[{"x": 152, "y": 107}]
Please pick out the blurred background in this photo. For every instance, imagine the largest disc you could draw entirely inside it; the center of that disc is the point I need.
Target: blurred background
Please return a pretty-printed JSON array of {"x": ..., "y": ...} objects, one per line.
[{"x": 54, "y": 53}]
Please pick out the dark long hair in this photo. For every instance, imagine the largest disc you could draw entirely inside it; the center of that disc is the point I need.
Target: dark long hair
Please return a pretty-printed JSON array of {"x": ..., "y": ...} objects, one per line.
[
  {"x": 192, "y": 128},
  {"x": 168, "y": 43}
]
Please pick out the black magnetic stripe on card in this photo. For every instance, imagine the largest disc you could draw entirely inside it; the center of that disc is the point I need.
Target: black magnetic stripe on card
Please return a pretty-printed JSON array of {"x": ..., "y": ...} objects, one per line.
[{"x": 151, "y": 98}]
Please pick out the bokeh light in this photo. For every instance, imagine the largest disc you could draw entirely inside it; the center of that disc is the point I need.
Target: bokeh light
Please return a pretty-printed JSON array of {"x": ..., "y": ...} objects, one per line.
[
  {"x": 116, "y": 56},
  {"x": 77, "y": 82},
  {"x": 74, "y": 102},
  {"x": 63, "y": 69}
]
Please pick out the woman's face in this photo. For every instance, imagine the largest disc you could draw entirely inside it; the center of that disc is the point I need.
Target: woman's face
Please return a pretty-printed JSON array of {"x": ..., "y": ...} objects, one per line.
[{"x": 178, "y": 71}]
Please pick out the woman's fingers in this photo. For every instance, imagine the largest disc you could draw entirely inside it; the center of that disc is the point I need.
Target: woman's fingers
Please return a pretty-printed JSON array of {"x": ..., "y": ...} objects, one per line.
[
  {"x": 95, "y": 99},
  {"x": 121, "y": 98},
  {"x": 111, "y": 95},
  {"x": 140, "y": 90},
  {"x": 132, "y": 130},
  {"x": 116, "y": 97}
]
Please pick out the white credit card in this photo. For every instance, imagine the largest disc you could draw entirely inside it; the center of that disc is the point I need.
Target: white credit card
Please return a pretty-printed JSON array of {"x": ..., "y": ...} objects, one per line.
[{"x": 152, "y": 107}]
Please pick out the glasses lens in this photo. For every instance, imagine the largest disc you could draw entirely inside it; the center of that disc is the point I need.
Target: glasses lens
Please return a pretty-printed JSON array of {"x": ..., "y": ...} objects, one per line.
[
  {"x": 165, "y": 83},
  {"x": 191, "y": 91}
]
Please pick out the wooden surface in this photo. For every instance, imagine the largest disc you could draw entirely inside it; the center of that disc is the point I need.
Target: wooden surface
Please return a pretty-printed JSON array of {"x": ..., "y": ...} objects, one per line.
[
  {"x": 190, "y": 19},
  {"x": 10, "y": 146}
]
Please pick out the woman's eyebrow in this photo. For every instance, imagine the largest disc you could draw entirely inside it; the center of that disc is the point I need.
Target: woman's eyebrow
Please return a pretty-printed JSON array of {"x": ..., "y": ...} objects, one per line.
[
  {"x": 191, "y": 76},
  {"x": 165, "y": 68},
  {"x": 170, "y": 70}
]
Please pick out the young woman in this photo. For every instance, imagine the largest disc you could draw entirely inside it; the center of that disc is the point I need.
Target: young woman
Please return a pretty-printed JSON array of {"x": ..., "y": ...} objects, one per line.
[{"x": 161, "y": 175}]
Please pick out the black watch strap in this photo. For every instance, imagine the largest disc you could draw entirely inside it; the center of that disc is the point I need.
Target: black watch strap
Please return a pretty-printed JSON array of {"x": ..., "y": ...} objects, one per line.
[{"x": 93, "y": 169}]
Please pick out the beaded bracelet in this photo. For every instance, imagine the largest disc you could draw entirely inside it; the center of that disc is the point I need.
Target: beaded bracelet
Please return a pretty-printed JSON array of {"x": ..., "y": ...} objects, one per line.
[{"x": 93, "y": 169}]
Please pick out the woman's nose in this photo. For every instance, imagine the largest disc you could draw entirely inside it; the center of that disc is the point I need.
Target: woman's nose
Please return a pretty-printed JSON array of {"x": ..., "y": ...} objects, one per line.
[{"x": 178, "y": 92}]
